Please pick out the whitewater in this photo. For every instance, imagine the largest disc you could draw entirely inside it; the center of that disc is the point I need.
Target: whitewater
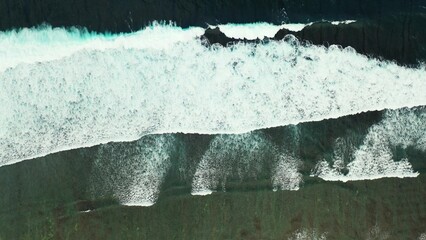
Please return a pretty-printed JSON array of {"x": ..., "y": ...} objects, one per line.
[
  {"x": 68, "y": 88},
  {"x": 134, "y": 172}
]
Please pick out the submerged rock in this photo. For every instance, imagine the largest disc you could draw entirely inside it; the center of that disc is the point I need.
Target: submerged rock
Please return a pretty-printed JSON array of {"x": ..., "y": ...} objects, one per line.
[{"x": 397, "y": 38}]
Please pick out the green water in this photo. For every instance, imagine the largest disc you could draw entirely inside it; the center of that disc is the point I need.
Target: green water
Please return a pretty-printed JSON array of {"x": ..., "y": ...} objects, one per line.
[
  {"x": 47, "y": 198},
  {"x": 38, "y": 203}
]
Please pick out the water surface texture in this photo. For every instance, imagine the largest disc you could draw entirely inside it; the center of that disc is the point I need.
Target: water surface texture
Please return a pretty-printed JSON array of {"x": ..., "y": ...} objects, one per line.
[{"x": 213, "y": 120}]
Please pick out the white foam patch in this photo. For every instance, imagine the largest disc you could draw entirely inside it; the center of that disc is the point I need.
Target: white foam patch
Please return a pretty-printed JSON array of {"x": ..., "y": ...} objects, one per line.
[
  {"x": 422, "y": 236},
  {"x": 237, "y": 156},
  {"x": 162, "y": 85},
  {"x": 132, "y": 172},
  {"x": 256, "y": 30},
  {"x": 286, "y": 175},
  {"x": 261, "y": 30},
  {"x": 374, "y": 158},
  {"x": 343, "y": 22},
  {"x": 243, "y": 157},
  {"x": 201, "y": 192},
  {"x": 308, "y": 234},
  {"x": 295, "y": 27}
]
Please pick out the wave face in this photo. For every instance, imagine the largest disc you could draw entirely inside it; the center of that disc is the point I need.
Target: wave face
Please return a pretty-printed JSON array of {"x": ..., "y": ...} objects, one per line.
[{"x": 163, "y": 80}]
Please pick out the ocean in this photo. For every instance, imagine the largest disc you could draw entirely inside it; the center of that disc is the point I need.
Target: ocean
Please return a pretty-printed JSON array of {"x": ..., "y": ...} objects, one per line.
[{"x": 161, "y": 133}]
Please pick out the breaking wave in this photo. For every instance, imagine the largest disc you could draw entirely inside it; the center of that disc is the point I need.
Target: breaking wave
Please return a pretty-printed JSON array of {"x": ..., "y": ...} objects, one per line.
[
  {"x": 374, "y": 158},
  {"x": 132, "y": 172},
  {"x": 63, "y": 89},
  {"x": 261, "y": 30},
  {"x": 244, "y": 157},
  {"x": 275, "y": 159}
]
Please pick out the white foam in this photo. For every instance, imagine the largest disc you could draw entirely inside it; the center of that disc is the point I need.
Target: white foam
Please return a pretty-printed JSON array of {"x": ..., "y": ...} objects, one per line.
[
  {"x": 44, "y": 43},
  {"x": 308, "y": 234},
  {"x": 200, "y": 192},
  {"x": 261, "y": 30},
  {"x": 243, "y": 157},
  {"x": 257, "y": 30},
  {"x": 286, "y": 175},
  {"x": 237, "y": 156},
  {"x": 132, "y": 172},
  {"x": 295, "y": 27},
  {"x": 374, "y": 158},
  {"x": 138, "y": 204},
  {"x": 162, "y": 80},
  {"x": 343, "y": 22}
]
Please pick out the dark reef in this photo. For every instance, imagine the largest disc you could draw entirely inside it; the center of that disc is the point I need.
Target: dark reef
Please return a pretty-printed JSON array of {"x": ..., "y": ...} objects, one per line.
[
  {"x": 126, "y": 16},
  {"x": 397, "y": 38}
]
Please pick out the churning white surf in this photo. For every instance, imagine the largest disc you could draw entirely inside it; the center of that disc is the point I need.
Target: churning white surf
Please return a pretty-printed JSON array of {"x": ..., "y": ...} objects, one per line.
[
  {"x": 374, "y": 158},
  {"x": 163, "y": 80},
  {"x": 243, "y": 157},
  {"x": 132, "y": 172},
  {"x": 44, "y": 43}
]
